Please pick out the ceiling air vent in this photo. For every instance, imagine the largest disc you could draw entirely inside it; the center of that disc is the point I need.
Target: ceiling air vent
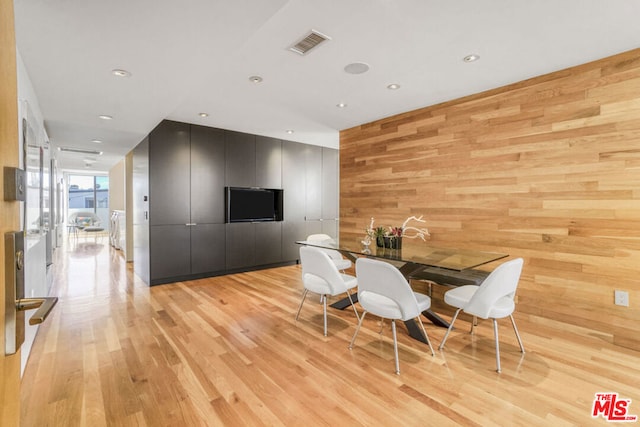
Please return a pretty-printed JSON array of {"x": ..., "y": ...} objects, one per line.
[
  {"x": 80, "y": 150},
  {"x": 308, "y": 42}
]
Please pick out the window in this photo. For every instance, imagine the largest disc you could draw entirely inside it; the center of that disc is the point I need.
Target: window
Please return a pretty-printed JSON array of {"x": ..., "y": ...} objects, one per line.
[{"x": 88, "y": 193}]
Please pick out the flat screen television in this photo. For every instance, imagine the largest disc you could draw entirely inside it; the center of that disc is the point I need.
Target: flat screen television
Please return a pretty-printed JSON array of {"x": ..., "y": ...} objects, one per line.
[{"x": 253, "y": 204}]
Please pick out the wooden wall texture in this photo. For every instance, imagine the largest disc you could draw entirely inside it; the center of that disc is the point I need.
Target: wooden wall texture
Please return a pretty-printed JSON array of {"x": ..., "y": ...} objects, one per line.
[{"x": 547, "y": 169}]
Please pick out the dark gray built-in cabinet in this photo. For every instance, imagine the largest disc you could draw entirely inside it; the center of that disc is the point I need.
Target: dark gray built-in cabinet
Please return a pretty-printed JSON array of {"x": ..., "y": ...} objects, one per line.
[{"x": 187, "y": 168}]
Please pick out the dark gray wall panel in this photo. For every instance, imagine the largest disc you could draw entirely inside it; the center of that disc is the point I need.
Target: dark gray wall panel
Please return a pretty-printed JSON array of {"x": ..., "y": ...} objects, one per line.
[
  {"x": 268, "y": 242},
  {"x": 330, "y": 183},
  {"x": 292, "y": 232},
  {"x": 240, "y": 245},
  {"x": 240, "y": 170},
  {"x": 330, "y": 227},
  {"x": 313, "y": 165},
  {"x": 169, "y": 177},
  {"x": 268, "y": 162},
  {"x": 294, "y": 181},
  {"x": 170, "y": 251},
  {"x": 207, "y": 248},
  {"x": 207, "y": 175}
]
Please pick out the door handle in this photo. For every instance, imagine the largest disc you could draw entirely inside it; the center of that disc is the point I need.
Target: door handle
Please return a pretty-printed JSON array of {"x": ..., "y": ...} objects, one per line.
[
  {"x": 15, "y": 302},
  {"x": 44, "y": 306}
]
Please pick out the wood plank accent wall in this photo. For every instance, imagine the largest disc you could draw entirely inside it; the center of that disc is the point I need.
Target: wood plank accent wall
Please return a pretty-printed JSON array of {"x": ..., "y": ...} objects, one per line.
[{"x": 547, "y": 169}]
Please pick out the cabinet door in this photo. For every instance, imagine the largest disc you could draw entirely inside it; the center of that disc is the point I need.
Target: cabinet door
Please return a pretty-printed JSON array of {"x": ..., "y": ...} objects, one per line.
[
  {"x": 330, "y": 184},
  {"x": 313, "y": 165},
  {"x": 268, "y": 242},
  {"x": 241, "y": 245},
  {"x": 207, "y": 248},
  {"x": 169, "y": 177},
  {"x": 240, "y": 159},
  {"x": 207, "y": 175},
  {"x": 291, "y": 233},
  {"x": 268, "y": 162},
  {"x": 330, "y": 192},
  {"x": 170, "y": 251},
  {"x": 293, "y": 181}
]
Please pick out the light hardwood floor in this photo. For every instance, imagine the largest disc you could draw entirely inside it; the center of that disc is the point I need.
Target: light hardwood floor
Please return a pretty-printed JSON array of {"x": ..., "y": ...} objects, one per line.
[{"x": 227, "y": 351}]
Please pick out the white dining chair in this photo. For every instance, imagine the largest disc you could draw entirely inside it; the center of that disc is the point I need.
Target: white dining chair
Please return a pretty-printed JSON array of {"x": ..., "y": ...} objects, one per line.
[
  {"x": 336, "y": 257},
  {"x": 320, "y": 275},
  {"x": 385, "y": 292},
  {"x": 493, "y": 299}
]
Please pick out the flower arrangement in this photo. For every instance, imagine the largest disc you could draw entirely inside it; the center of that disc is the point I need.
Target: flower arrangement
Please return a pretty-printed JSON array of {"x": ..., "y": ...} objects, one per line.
[{"x": 379, "y": 233}]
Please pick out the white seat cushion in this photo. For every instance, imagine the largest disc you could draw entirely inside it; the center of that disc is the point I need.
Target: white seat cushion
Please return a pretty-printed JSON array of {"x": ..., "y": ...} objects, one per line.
[
  {"x": 320, "y": 286},
  {"x": 424, "y": 302},
  {"x": 342, "y": 264},
  {"x": 459, "y": 297},
  {"x": 381, "y": 305}
]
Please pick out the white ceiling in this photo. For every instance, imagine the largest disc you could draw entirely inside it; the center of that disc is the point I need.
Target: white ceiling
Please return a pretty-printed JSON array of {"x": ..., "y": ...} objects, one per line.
[{"x": 193, "y": 56}]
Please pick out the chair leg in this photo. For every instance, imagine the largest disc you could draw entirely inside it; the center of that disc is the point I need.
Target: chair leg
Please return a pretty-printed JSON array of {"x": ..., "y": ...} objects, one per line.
[
  {"x": 324, "y": 313},
  {"x": 495, "y": 334},
  {"x": 304, "y": 295},
  {"x": 395, "y": 345},
  {"x": 353, "y": 340},
  {"x": 352, "y": 305},
  {"x": 446, "y": 335},
  {"x": 513, "y": 322},
  {"x": 424, "y": 331},
  {"x": 381, "y": 326},
  {"x": 474, "y": 323}
]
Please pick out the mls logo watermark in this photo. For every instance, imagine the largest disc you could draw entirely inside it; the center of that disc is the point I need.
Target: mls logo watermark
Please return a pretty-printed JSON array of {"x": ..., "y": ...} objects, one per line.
[{"x": 612, "y": 408}]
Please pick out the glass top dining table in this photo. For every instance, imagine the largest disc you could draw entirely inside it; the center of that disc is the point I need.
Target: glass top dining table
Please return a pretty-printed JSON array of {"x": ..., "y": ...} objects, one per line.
[
  {"x": 415, "y": 256},
  {"x": 415, "y": 253}
]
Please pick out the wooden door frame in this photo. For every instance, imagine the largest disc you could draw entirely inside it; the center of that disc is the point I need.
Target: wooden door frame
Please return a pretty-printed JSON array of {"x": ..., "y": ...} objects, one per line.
[{"x": 9, "y": 211}]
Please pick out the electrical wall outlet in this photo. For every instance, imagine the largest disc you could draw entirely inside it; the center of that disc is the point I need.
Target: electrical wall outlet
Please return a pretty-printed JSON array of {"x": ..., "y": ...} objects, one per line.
[{"x": 621, "y": 298}]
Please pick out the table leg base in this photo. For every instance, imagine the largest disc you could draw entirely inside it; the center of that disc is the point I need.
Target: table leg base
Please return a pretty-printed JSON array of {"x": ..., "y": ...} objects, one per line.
[{"x": 344, "y": 302}]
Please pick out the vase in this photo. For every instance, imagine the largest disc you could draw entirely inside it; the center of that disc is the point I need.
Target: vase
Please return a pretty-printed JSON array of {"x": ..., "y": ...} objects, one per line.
[
  {"x": 393, "y": 242},
  {"x": 380, "y": 241},
  {"x": 396, "y": 242}
]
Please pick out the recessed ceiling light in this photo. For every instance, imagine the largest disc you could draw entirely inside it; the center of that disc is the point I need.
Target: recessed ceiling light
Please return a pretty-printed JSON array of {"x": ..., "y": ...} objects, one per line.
[
  {"x": 393, "y": 86},
  {"x": 255, "y": 79},
  {"x": 471, "y": 58},
  {"x": 96, "y": 141},
  {"x": 203, "y": 114},
  {"x": 120, "y": 73},
  {"x": 357, "y": 68},
  {"x": 289, "y": 131},
  {"x": 341, "y": 105},
  {"x": 105, "y": 117}
]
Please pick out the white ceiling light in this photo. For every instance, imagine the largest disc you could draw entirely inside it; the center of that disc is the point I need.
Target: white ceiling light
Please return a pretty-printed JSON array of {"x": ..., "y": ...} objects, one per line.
[
  {"x": 203, "y": 114},
  {"x": 356, "y": 68},
  {"x": 105, "y": 117},
  {"x": 80, "y": 150},
  {"x": 471, "y": 58},
  {"x": 255, "y": 79},
  {"x": 289, "y": 131},
  {"x": 120, "y": 73},
  {"x": 393, "y": 86},
  {"x": 96, "y": 141},
  {"x": 341, "y": 105}
]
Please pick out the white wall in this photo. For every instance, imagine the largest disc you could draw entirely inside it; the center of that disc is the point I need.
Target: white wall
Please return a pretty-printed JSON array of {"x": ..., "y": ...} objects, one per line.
[{"x": 116, "y": 187}]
